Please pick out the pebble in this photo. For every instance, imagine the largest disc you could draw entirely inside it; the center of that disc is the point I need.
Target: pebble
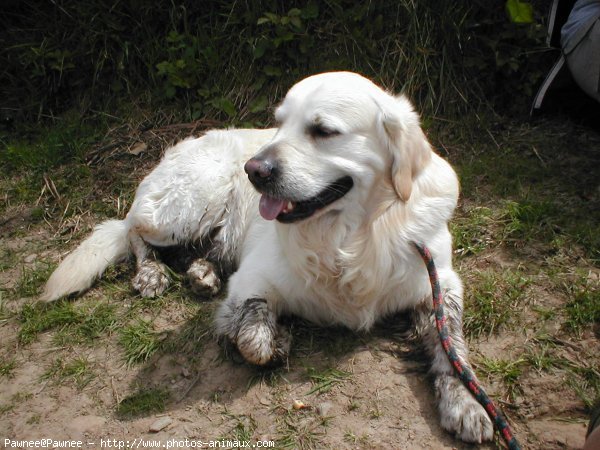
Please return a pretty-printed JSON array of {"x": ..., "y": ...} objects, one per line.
[
  {"x": 324, "y": 408},
  {"x": 298, "y": 404},
  {"x": 31, "y": 258},
  {"x": 185, "y": 372},
  {"x": 160, "y": 424},
  {"x": 138, "y": 148}
]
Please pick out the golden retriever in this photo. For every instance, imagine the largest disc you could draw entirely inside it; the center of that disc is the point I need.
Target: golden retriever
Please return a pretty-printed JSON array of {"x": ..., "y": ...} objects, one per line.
[{"x": 322, "y": 227}]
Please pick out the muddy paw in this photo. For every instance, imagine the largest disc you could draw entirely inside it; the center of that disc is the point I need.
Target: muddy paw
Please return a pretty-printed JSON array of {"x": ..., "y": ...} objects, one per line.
[
  {"x": 151, "y": 279},
  {"x": 461, "y": 414},
  {"x": 254, "y": 330},
  {"x": 203, "y": 278},
  {"x": 263, "y": 345}
]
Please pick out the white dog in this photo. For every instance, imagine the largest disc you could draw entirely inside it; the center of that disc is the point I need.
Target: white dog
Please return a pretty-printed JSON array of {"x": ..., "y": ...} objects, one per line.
[{"x": 344, "y": 187}]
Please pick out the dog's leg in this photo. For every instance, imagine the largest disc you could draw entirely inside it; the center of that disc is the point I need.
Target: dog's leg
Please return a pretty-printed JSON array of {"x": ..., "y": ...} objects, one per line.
[
  {"x": 252, "y": 327},
  {"x": 460, "y": 412},
  {"x": 202, "y": 274},
  {"x": 248, "y": 316},
  {"x": 151, "y": 278},
  {"x": 203, "y": 278}
]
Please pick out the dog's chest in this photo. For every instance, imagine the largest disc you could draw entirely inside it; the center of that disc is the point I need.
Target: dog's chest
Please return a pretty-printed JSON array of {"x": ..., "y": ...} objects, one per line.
[{"x": 348, "y": 277}]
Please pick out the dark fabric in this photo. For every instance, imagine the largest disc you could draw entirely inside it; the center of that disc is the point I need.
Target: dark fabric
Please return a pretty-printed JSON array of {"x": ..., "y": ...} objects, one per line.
[
  {"x": 584, "y": 61},
  {"x": 583, "y": 15}
]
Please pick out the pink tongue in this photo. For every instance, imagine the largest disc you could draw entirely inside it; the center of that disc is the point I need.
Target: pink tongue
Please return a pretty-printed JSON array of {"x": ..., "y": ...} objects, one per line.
[{"x": 270, "y": 207}]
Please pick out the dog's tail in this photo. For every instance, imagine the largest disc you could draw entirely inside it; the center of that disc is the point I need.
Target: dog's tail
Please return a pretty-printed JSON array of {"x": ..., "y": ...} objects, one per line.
[{"x": 107, "y": 245}]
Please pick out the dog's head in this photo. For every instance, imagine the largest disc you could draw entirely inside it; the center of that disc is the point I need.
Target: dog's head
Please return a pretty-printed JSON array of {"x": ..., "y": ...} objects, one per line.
[{"x": 338, "y": 135}]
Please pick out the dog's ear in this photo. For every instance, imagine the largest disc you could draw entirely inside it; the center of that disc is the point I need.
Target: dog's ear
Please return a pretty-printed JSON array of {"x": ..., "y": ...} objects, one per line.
[{"x": 402, "y": 134}]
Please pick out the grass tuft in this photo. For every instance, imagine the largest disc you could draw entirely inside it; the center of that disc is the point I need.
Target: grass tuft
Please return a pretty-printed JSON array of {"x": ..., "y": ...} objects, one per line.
[
  {"x": 7, "y": 366},
  {"x": 470, "y": 232},
  {"x": 139, "y": 341},
  {"x": 324, "y": 380},
  {"x": 37, "y": 318},
  {"x": 143, "y": 403},
  {"x": 542, "y": 358},
  {"x": 32, "y": 280},
  {"x": 293, "y": 432},
  {"x": 77, "y": 371},
  {"x": 195, "y": 333},
  {"x": 585, "y": 381},
  {"x": 91, "y": 324},
  {"x": 583, "y": 308},
  {"x": 75, "y": 325},
  {"x": 507, "y": 371},
  {"x": 493, "y": 301},
  {"x": 527, "y": 218}
]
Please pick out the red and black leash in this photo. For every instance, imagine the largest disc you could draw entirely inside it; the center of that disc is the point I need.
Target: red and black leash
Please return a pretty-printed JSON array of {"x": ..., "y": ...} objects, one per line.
[{"x": 464, "y": 373}]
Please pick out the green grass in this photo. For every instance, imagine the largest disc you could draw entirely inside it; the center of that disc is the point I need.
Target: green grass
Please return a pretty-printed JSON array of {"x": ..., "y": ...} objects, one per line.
[
  {"x": 508, "y": 221},
  {"x": 507, "y": 371},
  {"x": 7, "y": 366},
  {"x": 583, "y": 307},
  {"x": 37, "y": 318},
  {"x": 77, "y": 371},
  {"x": 143, "y": 403},
  {"x": 492, "y": 301},
  {"x": 93, "y": 321},
  {"x": 527, "y": 198},
  {"x": 32, "y": 280},
  {"x": 297, "y": 432},
  {"x": 48, "y": 147},
  {"x": 526, "y": 219},
  {"x": 5, "y": 312},
  {"x": 542, "y": 358},
  {"x": 6, "y": 408},
  {"x": 21, "y": 396},
  {"x": 34, "y": 420},
  {"x": 352, "y": 438},
  {"x": 139, "y": 341},
  {"x": 244, "y": 429},
  {"x": 545, "y": 314},
  {"x": 49, "y": 161},
  {"x": 74, "y": 324},
  {"x": 8, "y": 257},
  {"x": 324, "y": 380},
  {"x": 470, "y": 231},
  {"x": 585, "y": 381},
  {"x": 195, "y": 332}
]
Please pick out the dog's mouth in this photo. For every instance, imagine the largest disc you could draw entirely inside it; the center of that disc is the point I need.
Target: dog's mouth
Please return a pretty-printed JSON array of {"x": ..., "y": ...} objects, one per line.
[{"x": 288, "y": 211}]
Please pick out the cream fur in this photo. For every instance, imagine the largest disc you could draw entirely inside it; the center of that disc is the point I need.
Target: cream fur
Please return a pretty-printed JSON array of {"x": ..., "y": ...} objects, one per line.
[{"x": 351, "y": 263}]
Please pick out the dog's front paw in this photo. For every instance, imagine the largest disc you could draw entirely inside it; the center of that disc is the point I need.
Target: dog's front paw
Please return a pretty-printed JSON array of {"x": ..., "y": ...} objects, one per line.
[
  {"x": 254, "y": 330},
  {"x": 203, "y": 278},
  {"x": 460, "y": 413},
  {"x": 263, "y": 345},
  {"x": 151, "y": 279},
  {"x": 469, "y": 422}
]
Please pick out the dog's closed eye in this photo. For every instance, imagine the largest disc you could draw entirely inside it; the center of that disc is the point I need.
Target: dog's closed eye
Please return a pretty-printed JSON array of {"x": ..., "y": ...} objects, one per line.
[{"x": 320, "y": 131}]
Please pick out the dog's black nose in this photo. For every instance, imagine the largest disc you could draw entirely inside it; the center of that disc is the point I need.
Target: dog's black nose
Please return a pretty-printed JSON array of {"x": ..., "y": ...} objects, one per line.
[{"x": 260, "y": 170}]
